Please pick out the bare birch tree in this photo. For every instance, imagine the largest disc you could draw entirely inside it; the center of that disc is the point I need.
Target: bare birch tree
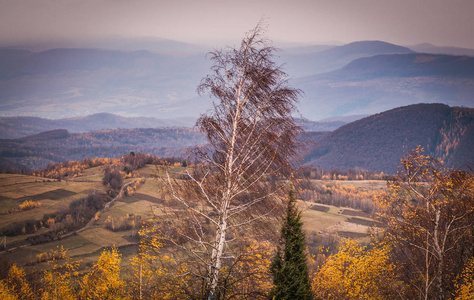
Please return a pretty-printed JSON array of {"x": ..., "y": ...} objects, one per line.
[{"x": 252, "y": 136}]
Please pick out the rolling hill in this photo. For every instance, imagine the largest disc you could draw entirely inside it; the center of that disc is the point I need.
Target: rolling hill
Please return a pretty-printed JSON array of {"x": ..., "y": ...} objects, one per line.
[
  {"x": 377, "y": 83},
  {"x": 364, "y": 77},
  {"x": 429, "y": 48},
  {"x": 307, "y": 61},
  {"x": 375, "y": 143},
  {"x": 379, "y": 141},
  {"x": 18, "y": 127},
  {"x": 39, "y": 150}
]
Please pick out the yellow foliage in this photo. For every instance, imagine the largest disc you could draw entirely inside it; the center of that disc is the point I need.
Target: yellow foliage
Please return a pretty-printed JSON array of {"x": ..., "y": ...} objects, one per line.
[
  {"x": 17, "y": 284},
  {"x": 429, "y": 212},
  {"x": 59, "y": 253},
  {"x": 59, "y": 281},
  {"x": 133, "y": 186},
  {"x": 253, "y": 270},
  {"x": 465, "y": 289},
  {"x": 357, "y": 273},
  {"x": 28, "y": 204},
  {"x": 104, "y": 281},
  {"x": 6, "y": 293},
  {"x": 148, "y": 274},
  {"x": 126, "y": 222},
  {"x": 337, "y": 194}
]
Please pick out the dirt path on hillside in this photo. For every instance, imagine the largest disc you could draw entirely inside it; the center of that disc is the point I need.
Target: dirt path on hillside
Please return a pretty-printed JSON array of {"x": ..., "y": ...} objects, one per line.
[
  {"x": 87, "y": 226},
  {"x": 106, "y": 206}
]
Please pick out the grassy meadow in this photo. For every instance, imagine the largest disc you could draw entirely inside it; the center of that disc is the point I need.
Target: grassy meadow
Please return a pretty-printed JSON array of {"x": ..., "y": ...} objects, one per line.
[{"x": 54, "y": 196}]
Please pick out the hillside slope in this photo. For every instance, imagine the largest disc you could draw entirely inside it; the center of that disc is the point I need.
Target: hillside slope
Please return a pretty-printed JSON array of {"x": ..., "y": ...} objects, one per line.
[
  {"x": 39, "y": 150},
  {"x": 379, "y": 141}
]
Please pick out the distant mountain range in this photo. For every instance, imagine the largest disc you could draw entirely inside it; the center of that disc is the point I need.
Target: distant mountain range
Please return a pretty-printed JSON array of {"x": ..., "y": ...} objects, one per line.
[
  {"x": 378, "y": 142},
  {"x": 158, "y": 78},
  {"x": 375, "y": 143},
  {"x": 19, "y": 127},
  {"x": 305, "y": 63},
  {"x": 429, "y": 48},
  {"x": 383, "y": 82}
]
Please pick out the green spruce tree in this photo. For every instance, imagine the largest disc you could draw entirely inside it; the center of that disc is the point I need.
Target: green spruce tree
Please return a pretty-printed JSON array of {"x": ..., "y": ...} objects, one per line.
[{"x": 290, "y": 266}]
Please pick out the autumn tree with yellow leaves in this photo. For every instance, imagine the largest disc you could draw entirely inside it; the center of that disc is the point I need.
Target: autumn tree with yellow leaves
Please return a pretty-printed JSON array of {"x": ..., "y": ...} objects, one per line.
[
  {"x": 465, "y": 284},
  {"x": 104, "y": 280},
  {"x": 16, "y": 284},
  {"x": 61, "y": 279},
  {"x": 358, "y": 272},
  {"x": 429, "y": 213}
]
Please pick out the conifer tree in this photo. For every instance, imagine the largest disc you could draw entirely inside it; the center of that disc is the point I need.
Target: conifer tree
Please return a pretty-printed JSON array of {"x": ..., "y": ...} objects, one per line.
[{"x": 290, "y": 266}]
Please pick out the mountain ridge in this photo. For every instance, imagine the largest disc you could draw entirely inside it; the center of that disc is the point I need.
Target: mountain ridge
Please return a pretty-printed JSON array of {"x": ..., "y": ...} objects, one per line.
[
  {"x": 379, "y": 141},
  {"x": 302, "y": 63},
  {"x": 381, "y": 82},
  {"x": 68, "y": 82},
  {"x": 375, "y": 143},
  {"x": 433, "y": 49},
  {"x": 19, "y": 127}
]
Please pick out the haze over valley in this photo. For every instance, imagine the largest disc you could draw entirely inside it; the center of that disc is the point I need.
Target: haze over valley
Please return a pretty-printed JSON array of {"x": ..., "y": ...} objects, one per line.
[
  {"x": 80, "y": 94},
  {"x": 160, "y": 80}
]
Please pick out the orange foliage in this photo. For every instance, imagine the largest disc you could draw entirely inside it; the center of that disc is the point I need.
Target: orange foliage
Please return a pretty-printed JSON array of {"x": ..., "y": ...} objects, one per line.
[{"x": 356, "y": 272}]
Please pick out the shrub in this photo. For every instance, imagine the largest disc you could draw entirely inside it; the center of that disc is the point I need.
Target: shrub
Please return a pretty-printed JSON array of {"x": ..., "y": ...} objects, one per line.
[
  {"x": 126, "y": 222},
  {"x": 59, "y": 253},
  {"x": 22, "y": 227},
  {"x": 28, "y": 204}
]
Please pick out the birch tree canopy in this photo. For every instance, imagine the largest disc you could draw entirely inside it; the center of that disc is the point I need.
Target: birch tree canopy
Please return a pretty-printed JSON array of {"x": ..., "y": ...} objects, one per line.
[{"x": 252, "y": 139}]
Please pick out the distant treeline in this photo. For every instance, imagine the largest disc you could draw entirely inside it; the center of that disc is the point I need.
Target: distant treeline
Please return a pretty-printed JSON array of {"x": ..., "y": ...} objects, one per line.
[
  {"x": 313, "y": 172},
  {"x": 70, "y": 169},
  {"x": 134, "y": 161}
]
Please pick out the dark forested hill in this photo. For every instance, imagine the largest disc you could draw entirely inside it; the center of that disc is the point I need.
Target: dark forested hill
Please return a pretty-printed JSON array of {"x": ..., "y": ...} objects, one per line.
[
  {"x": 379, "y": 141},
  {"x": 38, "y": 150},
  {"x": 375, "y": 143},
  {"x": 408, "y": 65}
]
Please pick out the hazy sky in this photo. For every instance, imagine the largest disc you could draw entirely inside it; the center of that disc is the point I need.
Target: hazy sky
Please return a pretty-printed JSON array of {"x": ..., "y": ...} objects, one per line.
[{"x": 405, "y": 22}]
